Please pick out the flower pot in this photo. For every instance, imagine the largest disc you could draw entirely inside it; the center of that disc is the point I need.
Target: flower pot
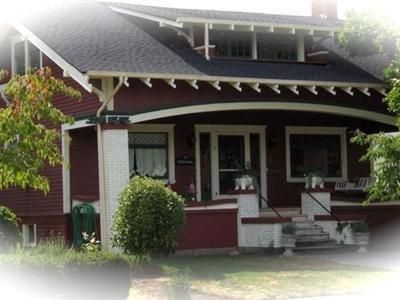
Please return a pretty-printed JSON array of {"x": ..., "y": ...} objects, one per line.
[
  {"x": 288, "y": 242},
  {"x": 362, "y": 240}
]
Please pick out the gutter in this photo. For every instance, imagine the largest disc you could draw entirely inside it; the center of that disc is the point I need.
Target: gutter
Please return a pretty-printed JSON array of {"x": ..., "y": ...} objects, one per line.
[{"x": 100, "y": 152}]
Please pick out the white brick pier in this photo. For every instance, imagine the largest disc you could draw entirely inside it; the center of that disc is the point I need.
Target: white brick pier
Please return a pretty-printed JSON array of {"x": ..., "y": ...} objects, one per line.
[
  {"x": 253, "y": 233},
  {"x": 116, "y": 176}
]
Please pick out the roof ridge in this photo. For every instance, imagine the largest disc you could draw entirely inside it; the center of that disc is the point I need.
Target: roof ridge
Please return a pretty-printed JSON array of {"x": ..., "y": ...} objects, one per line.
[{"x": 177, "y": 9}]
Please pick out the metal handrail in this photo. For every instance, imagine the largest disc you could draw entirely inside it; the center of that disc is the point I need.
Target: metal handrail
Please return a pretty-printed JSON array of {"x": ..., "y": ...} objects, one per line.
[
  {"x": 323, "y": 206},
  {"x": 273, "y": 209}
]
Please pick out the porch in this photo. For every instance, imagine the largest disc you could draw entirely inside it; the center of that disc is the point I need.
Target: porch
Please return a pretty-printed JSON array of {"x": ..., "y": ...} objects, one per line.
[{"x": 200, "y": 155}]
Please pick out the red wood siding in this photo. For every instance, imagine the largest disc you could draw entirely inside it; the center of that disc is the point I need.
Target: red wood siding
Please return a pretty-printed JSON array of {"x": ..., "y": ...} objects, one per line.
[
  {"x": 84, "y": 164},
  {"x": 209, "y": 229},
  {"x": 139, "y": 97}
]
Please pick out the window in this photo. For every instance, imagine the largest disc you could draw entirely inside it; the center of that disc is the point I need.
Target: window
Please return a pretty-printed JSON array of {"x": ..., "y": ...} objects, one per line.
[
  {"x": 316, "y": 149},
  {"x": 276, "y": 47},
  {"x": 231, "y": 44},
  {"x": 25, "y": 56},
  {"x": 29, "y": 235},
  {"x": 151, "y": 152}
]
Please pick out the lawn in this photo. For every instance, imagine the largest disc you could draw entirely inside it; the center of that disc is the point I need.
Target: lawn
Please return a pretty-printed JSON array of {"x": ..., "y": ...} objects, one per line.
[{"x": 257, "y": 277}]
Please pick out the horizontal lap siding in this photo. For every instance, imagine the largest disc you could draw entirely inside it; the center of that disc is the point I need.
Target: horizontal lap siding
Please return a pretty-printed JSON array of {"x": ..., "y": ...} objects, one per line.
[
  {"x": 31, "y": 203},
  {"x": 84, "y": 164},
  {"x": 139, "y": 97}
]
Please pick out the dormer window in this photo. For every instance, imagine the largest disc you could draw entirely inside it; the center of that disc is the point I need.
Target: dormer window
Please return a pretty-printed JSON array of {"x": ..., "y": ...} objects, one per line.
[
  {"x": 231, "y": 44},
  {"x": 25, "y": 56},
  {"x": 267, "y": 46},
  {"x": 276, "y": 46}
]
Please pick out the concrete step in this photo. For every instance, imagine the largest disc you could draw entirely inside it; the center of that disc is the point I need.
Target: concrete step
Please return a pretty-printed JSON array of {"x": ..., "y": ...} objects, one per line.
[
  {"x": 299, "y": 218},
  {"x": 316, "y": 244},
  {"x": 318, "y": 248},
  {"x": 304, "y": 224},
  {"x": 317, "y": 237},
  {"x": 283, "y": 211},
  {"x": 309, "y": 230}
]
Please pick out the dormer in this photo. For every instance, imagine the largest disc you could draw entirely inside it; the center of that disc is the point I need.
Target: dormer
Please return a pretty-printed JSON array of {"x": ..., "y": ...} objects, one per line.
[
  {"x": 24, "y": 56},
  {"x": 249, "y": 36}
]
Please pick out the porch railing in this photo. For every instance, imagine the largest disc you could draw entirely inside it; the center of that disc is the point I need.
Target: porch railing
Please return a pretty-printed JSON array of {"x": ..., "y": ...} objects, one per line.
[{"x": 323, "y": 206}]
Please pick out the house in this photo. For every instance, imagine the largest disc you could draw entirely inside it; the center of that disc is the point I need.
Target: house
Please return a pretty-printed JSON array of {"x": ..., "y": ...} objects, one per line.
[{"x": 193, "y": 97}]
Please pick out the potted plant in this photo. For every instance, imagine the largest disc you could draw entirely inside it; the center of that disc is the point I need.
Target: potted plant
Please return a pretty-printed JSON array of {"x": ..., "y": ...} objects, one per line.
[
  {"x": 245, "y": 178},
  {"x": 361, "y": 235},
  {"x": 288, "y": 238}
]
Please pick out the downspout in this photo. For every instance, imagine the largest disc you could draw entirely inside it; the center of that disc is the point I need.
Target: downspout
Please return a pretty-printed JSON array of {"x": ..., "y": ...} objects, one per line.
[{"x": 103, "y": 207}]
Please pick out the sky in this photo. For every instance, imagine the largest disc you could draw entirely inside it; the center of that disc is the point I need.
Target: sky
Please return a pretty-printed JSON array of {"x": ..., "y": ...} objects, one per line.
[{"x": 389, "y": 9}]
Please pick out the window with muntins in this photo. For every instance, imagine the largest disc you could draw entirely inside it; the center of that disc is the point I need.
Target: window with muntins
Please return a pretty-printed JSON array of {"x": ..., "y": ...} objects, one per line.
[
  {"x": 231, "y": 44},
  {"x": 25, "y": 57},
  {"x": 276, "y": 47},
  {"x": 319, "y": 150},
  {"x": 315, "y": 153},
  {"x": 148, "y": 154}
]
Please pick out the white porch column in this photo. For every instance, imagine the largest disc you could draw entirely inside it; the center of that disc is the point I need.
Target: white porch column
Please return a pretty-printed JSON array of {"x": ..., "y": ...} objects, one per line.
[{"x": 116, "y": 176}]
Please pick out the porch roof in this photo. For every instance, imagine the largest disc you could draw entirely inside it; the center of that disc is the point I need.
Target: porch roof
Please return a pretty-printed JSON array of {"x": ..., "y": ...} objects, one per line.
[{"x": 120, "y": 46}]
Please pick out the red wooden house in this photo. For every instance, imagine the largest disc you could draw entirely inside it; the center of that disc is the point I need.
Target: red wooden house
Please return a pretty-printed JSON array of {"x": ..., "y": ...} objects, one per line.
[{"x": 193, "y": 97}]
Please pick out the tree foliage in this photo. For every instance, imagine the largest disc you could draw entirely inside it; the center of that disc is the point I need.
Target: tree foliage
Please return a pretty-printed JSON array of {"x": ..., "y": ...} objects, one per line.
[
  {"x": 9, "y": 231},
  {"x": 365, "y": 34},
  {"x": 149, "y": 218},
  {"x": 29, "y": 129}
]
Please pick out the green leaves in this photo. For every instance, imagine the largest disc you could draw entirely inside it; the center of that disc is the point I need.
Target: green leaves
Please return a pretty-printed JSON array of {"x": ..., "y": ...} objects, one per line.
[
  {"x": 148, "y": 219},
  {"x": 365, "y": 34},
  {"x": 29, "y": 129}
]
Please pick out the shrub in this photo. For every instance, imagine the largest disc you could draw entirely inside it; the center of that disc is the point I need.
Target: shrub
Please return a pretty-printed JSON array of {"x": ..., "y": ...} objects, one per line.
[
  {"x": 10, "y": 234},
  {"x": 149, "y": 217},
  {"x": 64, "y": 273},
  {"x": 359, "y": 227},
  {"x": 288, "y": 228}
]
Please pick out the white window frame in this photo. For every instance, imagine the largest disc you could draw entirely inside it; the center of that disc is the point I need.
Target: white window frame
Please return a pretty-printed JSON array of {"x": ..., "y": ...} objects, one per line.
[
  {"x": 161, "y": 128},
  {"x": 15, "y": 40},
  {"x": 341, "y": 131},
  {"x": 25, "y": 235}
]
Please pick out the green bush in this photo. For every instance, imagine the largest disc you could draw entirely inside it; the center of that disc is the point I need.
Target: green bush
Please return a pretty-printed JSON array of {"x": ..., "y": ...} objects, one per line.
[
  {"x": 288, "y": 228},
  {"x": 359, "y": 227},
  {"x": 149, "y": 218},
  {"x": 10, "y": 234}
]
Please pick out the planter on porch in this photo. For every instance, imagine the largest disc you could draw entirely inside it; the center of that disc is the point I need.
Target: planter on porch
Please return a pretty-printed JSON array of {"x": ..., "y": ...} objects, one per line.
[{"x": 288, "y": 238}]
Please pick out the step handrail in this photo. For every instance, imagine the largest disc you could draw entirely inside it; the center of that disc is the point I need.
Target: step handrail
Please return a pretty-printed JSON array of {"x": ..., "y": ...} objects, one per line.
[
  {"x": 323, "y": 206},
  {"x": 269, "y": 206}
]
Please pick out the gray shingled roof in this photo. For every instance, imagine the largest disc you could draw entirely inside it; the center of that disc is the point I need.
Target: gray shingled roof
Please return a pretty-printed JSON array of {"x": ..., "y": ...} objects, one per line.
[
  {"x": 176, "y": 13},
  {"x": 92, "y": 37}
]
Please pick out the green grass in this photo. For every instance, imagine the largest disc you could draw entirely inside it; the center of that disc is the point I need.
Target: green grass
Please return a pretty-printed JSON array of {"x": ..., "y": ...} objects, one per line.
[{"x": 261, "y": 277}]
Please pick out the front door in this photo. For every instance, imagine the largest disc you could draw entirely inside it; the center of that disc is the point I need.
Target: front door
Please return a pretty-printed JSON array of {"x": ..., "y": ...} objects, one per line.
[
  {"x": 231, "y": 158},
  {"x": 222, "y": 151}
]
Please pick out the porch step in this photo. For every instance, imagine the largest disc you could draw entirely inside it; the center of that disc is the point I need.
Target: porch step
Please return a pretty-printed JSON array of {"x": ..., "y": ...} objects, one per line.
[
  {"x": 311, "y": 237},
  {"x": 304, "y": 224},
  {"x": 308, "y": 230},
  {"x": 286, "y": 212},
  {"x": 299, "y": 218}
]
